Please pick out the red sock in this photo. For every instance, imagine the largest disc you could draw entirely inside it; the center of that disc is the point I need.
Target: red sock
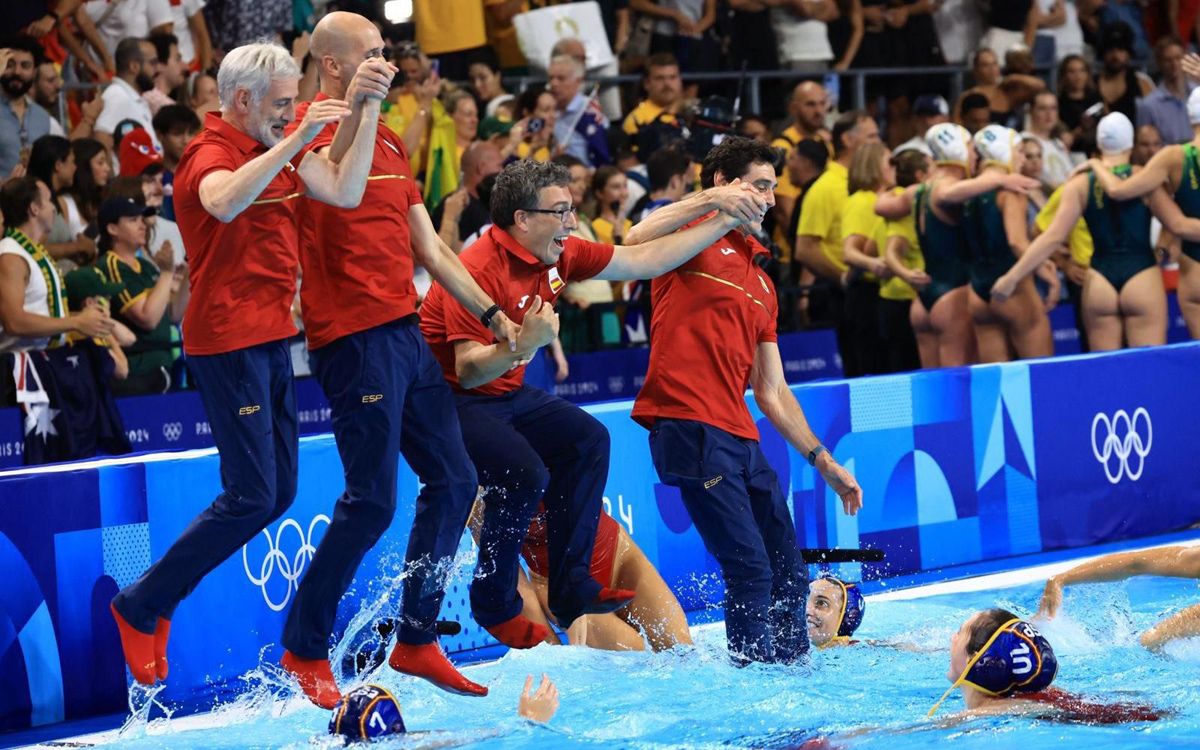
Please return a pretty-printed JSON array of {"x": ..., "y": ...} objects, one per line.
[
  {"x": 162, "y": 631},
  {"x": 427, "y": 661},
  {"x": 519, "y": 632},
  {"x": 609, "y": 600},
  {"x": 315, "y": 678},
  {"x": 138, "y": 648}
]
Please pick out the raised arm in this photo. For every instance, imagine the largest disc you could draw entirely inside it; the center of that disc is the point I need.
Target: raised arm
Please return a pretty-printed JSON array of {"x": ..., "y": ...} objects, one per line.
[
  {"x": 778, "y": 403},
  {"x": 1157, "y": 172},
  {"x": 736, "y": 199},
  {"x": 895, "y": 206},
  {"x": 225, "y": 194},
  {"x": 1173, "y": 562},
  {"x": 342, "y": 183},
  {"x": 666, "y": 253},
  {"x": 1069, "y": 211}
]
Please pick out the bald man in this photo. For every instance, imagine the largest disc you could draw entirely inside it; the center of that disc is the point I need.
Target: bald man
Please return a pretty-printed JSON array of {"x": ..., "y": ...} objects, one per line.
[
  {"x": 384, "y": 387},
  {"x": 807, "y": 108},
  {"x": 463, "y": 213}
]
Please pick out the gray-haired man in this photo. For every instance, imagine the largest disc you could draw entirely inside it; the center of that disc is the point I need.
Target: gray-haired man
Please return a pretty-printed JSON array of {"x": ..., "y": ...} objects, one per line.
[{"x": 236, "y": 198}]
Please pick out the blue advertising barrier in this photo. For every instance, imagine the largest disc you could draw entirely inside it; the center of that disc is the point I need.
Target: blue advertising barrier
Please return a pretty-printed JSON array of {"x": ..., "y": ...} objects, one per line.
[
  {"x": 958, "y": 466},
  {"x": 176, "y": 421}
]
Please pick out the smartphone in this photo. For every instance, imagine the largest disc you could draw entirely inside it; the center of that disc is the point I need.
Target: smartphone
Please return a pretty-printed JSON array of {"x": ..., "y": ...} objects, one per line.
[
  {"x": 535, "y": 125},
  {"x": 435, "y": 66}
]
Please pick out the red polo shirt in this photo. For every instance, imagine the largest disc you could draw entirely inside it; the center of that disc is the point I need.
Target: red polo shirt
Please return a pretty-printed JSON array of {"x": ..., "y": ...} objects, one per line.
[
  {"x": 243, "y": 274},
  {"x": 512, "y": 277},
  {"x": 710, "y": 315},
  {"x": 358, "y": 262}
]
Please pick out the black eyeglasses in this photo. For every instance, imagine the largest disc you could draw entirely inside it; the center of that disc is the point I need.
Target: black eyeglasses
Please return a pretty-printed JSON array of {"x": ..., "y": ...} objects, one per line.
[{"x": 561, "y": 213}]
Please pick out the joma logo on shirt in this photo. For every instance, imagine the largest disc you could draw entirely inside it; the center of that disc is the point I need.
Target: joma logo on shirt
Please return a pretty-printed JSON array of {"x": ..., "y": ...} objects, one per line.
[{"x": 246, "y": 411}]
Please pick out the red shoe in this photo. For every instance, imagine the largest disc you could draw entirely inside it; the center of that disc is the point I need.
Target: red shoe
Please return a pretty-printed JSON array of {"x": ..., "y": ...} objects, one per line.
[
  {"x": 162, "y": 631},
  {"x": 609, "y": 600},
  {"x": 519, "y": 632},
  {"x": 428, "y": 662},
  {"x": 138, "y": 648},
  {"x": 315, "y": 678}
]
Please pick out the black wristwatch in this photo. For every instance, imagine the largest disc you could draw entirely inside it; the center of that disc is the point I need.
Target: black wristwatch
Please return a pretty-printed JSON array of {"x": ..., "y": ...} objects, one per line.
[
  {"x": 488, "y": 314},
  {"x": 815, "y": 453}
]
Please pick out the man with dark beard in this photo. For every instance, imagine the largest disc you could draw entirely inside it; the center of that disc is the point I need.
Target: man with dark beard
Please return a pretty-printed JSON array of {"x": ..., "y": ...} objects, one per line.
[
  {"x": 135, "y": 60},
  {"x": 22, "y": 121}
]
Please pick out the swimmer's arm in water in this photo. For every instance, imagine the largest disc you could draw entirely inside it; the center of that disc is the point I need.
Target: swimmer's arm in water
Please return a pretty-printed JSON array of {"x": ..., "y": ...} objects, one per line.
[
  {"x": 1185, "y": 624},
  {"x": 1173, "y": 562},
  {"x": 895, "y": 206},
  {"x": 779, "y": 404},
  {"x": 960, "y": 192}
]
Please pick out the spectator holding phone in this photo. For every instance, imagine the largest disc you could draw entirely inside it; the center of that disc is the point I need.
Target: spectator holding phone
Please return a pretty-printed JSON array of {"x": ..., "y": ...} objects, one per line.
[{"x": 533, "y": 135}]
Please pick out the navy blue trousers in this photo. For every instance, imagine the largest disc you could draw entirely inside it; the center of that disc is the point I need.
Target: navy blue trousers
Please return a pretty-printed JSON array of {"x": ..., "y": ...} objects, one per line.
[
  {"x": 734, "y": 499},
  {"x": 529, "y": 447},
  {"x": 250, "y": 398},
  {"x": 388, "y": 398}
]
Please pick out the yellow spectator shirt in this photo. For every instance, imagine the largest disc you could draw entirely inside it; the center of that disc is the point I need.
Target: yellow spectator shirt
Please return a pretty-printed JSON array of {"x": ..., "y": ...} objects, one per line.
[
  {"x": 1080, "y": 239},
  {"x": 897, "y": 288},
  {"x": 823, "y": 209}
]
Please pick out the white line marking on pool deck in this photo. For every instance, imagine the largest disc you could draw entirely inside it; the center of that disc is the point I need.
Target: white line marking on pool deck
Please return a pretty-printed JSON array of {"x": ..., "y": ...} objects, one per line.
[{"x": 991, "y": 581}]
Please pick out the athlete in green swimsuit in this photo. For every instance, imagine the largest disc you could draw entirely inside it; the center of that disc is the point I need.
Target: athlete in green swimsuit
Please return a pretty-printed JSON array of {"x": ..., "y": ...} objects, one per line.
[
  {"x": 1187, "y": 195},
  {"x": 944, "y": 248},
  {"x": 1120, "y": 231},
  {"x": 991, "y": 253}
]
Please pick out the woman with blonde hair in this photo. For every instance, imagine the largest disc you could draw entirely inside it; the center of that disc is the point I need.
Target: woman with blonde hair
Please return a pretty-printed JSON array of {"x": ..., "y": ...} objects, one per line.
[{"x": 864, "y": 236}]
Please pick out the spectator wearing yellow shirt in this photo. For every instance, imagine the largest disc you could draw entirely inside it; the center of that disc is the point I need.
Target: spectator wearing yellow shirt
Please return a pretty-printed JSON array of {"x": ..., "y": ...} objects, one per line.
[
  {"x": 610, "y": 187},
  {"x": 1075, "y": 265},
  {"x": 532, "y": 137},
  {"x": 654, "y": 122},
  {"x": 453, "y": 31},
  {"x": 819, "y": 234},
  {"x": 903, "y": 322},
  {"x": 864, "y": 236}
]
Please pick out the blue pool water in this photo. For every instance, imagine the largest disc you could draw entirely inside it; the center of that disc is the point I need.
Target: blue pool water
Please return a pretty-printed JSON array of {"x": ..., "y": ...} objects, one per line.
[{"x": 697, "y": 700}]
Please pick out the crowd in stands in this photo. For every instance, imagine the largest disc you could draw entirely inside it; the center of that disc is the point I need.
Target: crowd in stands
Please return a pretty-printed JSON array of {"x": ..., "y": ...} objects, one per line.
[{"x": 100, "y": 98}]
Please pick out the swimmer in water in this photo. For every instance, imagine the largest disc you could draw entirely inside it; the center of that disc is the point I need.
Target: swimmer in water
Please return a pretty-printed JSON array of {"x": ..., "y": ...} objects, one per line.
[
  {"x": 835, "y": 610},
  {"x": 1173, "y": 562},
  {"x": 654, "y": 616},
  {"x": 371, "y": 712},
  {"x": 1003, "y": 665}
]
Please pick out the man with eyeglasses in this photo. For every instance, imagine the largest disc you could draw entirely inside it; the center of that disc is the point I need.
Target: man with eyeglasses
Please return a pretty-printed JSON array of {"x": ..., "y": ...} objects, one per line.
[
  {"x": 712, "y": 335},
  {"x": 528, "y": 446},
  {"x": 385, "y": 388}
]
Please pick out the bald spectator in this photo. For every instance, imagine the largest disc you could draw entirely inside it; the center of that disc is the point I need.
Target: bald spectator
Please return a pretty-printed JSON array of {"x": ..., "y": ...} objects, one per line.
[
  {"x": 807, "y": 108},
  {"x": 462, "y": 213},
  {"x": 655, "y": 122},
  {"x": 928, "y": 111},
  {"x": 579, "y": 128},
  {"x": 1166, "y": 106},
  {"x": 135, "y": 59}
]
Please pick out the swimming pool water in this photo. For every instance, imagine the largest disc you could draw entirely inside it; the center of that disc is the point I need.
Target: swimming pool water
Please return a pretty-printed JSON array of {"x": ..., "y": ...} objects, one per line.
[{"x": 696, "y": 699}]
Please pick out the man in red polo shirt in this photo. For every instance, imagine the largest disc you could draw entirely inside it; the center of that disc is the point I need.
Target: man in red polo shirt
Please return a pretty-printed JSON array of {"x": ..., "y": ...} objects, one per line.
[
  {"x": 528, "y": 446},
  {"x": 383, "y": 384},
  {"x": 236, "y": 195},
  {"x": 712, "y": 334}
]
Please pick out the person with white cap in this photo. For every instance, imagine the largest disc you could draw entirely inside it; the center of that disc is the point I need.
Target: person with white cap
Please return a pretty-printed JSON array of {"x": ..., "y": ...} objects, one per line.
[
  {"x": 937, "y": 205},
  {"x": 1176, "y": 168},
  {"x": 997, "y": 233},
  {"x": 1124, "y": 301}
]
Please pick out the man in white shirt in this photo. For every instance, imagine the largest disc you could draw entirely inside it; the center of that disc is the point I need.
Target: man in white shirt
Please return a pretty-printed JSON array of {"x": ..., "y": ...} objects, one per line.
[
  {"x": 928, "y": 110},
  {"x": 188, "y": 25},
  {"x": 135, "y": 60},
  {"x": 121, "y": 19}
]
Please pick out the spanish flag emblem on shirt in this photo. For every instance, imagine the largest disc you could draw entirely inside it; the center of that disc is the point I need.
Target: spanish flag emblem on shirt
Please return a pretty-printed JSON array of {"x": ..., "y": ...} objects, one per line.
[{"x": 556, "y": 282}]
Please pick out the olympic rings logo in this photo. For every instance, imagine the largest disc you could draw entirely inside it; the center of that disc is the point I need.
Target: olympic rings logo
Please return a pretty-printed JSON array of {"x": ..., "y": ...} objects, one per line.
[
  {"x": 290, "y": 568},
  {"x": 1121, "y": 451},
  {"x": 172, "y": 431}
]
